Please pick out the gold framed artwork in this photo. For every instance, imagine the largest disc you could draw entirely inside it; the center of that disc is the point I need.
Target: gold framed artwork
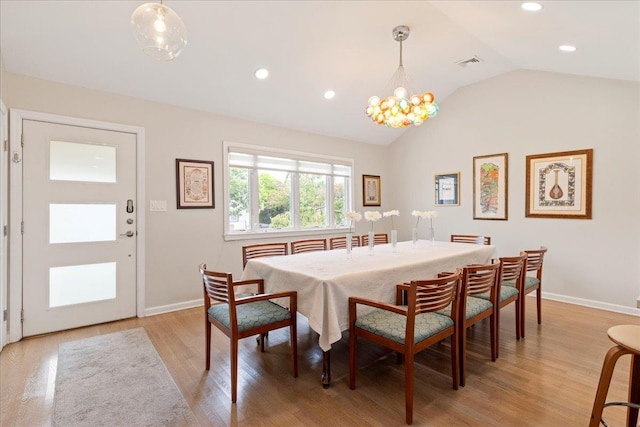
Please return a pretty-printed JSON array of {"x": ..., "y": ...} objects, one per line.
[
  {"x": 490, "y": 187},
  {"x": 194, "y": 184},
  {"x": 370, "y": 190},
  {"x": 447, "y": 189},
  {"x": 559, "y": 185}
]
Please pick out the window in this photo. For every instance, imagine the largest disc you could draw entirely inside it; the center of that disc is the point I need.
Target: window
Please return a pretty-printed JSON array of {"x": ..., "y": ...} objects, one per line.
[{"x": 268, "y": 190}]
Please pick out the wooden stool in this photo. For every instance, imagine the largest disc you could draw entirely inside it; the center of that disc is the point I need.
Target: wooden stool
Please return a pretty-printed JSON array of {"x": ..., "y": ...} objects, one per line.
[{"x": 628, "y": 339}]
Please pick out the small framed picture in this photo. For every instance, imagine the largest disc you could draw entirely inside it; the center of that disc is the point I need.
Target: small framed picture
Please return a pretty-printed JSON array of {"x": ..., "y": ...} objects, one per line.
[
  {"x": 194, "y": 184},
  {"x": 448, "y": 189},
  {"x": 490, "y": 185},
  {"x": 370, "y": 190},
  {"x": 559, "y": 185}
]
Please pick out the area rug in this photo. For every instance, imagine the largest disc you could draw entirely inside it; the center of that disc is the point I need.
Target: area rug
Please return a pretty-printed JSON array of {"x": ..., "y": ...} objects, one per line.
[{"x": 116, "y": 380}]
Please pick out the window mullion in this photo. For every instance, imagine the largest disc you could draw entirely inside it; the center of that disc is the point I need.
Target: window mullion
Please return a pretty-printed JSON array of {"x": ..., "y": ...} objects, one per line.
[
  {"x": 329, "y": 205},
  {"x": 295, "y": 199},
  {"x": 254, "y": 200}
]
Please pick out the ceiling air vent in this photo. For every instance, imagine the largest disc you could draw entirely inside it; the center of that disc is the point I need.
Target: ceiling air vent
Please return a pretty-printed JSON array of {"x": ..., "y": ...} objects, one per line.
[{"x": 469, "y": 61}]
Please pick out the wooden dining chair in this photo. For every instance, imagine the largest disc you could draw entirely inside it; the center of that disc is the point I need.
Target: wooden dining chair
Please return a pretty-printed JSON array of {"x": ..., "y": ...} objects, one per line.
[
  {"x": 263, "y": 249},
  {"x": 378, "y": 239},
  {"x": 468, "y": 238},
  {"x": 341, "y": 242},
  {"x": 411, "y": 329},
  {"x": 243, "y": 317},
  {"x": 478, "y": 300},
  {"x": 309, "y": 245},
  {"x": 532, "y": 282},
  {"x": 511, "y": 279}
]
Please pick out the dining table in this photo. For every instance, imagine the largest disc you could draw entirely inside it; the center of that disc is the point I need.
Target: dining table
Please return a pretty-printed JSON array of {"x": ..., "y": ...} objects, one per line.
[{"x": 324, "y": 280}]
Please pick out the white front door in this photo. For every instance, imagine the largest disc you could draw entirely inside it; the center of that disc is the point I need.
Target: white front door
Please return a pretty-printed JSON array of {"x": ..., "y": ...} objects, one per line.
[{"x": 79, "y": 235}]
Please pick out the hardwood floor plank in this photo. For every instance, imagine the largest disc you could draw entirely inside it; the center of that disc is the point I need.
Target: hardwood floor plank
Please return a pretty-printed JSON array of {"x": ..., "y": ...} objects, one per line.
[{"x": 547, "y": 379}]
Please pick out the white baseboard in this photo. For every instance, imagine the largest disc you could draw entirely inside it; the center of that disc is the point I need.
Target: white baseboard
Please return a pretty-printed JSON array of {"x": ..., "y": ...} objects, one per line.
[
  {"x": 593, "y": 304},
  {"x": 152, "y": 311}
]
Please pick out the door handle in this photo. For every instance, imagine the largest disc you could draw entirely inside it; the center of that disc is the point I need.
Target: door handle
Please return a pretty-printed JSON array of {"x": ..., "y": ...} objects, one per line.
[{"x": 128, "y": 233}]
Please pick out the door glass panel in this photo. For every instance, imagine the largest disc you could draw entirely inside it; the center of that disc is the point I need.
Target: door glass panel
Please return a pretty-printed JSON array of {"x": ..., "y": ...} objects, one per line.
[
  {"x": 72, "y": 223},
  {"x": 77, "y": 284},
  {"x": 73, "y": 161}
]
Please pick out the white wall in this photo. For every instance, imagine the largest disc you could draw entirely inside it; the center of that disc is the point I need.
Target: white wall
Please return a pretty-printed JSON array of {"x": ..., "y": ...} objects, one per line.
[
  {"x": 521, "y": 113},
  {"x": 530, "y": 112},
  {"x": 177, "y": 241}
]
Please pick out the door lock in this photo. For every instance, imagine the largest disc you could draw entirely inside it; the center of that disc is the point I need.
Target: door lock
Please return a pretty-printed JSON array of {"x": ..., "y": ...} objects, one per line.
[{"x": 128, "y": 233}]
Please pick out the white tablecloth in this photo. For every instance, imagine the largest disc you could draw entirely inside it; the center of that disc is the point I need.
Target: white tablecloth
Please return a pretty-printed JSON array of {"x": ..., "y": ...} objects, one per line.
[{"x": 325, "y": 280}]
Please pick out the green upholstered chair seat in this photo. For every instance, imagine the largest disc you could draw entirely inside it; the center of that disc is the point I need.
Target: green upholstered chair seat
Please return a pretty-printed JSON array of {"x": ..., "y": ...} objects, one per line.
[
  {"x": 511, "y": 283},
  {"x": 475, "y": 306},
  {"x": 393, "y": 325},
  {"x": 530, "y": 281},
  {"x": 250, "y": 315},
  {"x": 506, "y": 292}
]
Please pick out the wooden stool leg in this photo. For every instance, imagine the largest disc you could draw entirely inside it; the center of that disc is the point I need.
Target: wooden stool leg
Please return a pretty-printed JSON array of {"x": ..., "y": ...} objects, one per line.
[
  {"x": 610, "y": 360},
  {"x": 634, "y": 390}
]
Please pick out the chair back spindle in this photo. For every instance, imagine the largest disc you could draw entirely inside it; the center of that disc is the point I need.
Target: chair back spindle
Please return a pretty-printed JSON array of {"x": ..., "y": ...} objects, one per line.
[
  {"x": 309, "y": 245},
  {"x": 378, "y": 239},
  {"x": 468, "y": 238},
  {"x": 341, "y": 242},
  {"x": 435, "y": 294},
  {"x": 262, "y": 250},
  {"x": 480, "y": 278}
]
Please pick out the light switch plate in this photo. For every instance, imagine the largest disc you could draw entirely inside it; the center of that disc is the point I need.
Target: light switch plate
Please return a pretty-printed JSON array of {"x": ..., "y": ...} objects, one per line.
[{"x": 157, "y": 205}]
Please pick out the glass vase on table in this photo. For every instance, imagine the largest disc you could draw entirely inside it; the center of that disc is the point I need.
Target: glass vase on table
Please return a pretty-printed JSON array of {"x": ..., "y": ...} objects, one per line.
[
  {"x": 349, "y": 244},
  {"x": 394, "y": 240},
  {"x": 432, "y": 232},
  {"x": 371, "y": 242},
  {"x": 414, "y": 235}
]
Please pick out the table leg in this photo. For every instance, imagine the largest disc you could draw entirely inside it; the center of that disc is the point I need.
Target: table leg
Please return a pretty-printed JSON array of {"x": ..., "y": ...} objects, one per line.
[
  {"x": 326, "y": 368},
  {"x": 634, "y": 390}
]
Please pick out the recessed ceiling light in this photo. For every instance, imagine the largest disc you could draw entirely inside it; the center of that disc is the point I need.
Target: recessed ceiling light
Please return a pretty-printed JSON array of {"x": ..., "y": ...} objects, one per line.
[
  {"x": 531, "y": 6},
  {"x": 567, "y": 48},
  {"x": 261, "y": 73},
  {"x": 329, "y": 94}
]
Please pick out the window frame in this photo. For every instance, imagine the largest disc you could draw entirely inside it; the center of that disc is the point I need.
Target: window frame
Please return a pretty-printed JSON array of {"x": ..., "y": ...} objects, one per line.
[{"x": 228, "y": 234}]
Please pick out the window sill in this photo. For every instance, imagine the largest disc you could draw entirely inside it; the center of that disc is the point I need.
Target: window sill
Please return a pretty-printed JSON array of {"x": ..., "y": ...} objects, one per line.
[{"x": 274, "y": 234}]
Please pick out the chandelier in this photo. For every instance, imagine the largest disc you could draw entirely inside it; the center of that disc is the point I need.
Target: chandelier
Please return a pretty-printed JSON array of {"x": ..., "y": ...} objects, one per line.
[
  {"x": 401, "y": 109},
  {"x": 159, "y": 31}
]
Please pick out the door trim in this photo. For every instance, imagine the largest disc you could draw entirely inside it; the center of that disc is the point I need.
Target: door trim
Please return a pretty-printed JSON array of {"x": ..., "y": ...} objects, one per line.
[
  {"x": 16, "y": 118},
  {"x": 4, "y": 217}
]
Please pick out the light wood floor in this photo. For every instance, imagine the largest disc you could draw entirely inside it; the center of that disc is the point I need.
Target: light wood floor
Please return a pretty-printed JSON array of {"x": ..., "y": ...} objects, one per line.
[{"x": 547, "y": 379}]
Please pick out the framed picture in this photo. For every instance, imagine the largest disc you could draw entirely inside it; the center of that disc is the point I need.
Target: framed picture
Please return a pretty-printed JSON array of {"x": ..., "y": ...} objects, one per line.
[
  {"x": 559, "y": 185},
  {"x": 370, "y": 190},
  {"x": 448, "y": 189},
  {"x": 490, "y": 179},
  {"x": 194, "y": 184}
]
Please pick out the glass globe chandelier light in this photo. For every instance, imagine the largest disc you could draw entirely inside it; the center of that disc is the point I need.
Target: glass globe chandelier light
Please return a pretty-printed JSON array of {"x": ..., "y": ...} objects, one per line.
[
  {"x": 159, "y": 31},
  {"x": 401, "y": 109}
]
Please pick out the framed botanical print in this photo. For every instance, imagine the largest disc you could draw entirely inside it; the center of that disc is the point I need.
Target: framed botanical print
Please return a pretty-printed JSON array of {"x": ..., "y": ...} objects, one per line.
[
  {"x": 559, "y": 185},
  {"x": 370, "y": 190},
  {"x": 490, "y": 185},
  {"x": 447, "y": 189},
  {"x": 194, "y": 184}
]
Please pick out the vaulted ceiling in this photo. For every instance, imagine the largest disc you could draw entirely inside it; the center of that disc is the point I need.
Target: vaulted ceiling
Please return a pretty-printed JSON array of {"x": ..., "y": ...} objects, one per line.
[{"x": 312, "y": 46}]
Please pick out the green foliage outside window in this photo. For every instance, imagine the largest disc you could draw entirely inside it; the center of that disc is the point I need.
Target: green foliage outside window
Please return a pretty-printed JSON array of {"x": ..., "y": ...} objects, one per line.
[{"x": 275, "y": 199}]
